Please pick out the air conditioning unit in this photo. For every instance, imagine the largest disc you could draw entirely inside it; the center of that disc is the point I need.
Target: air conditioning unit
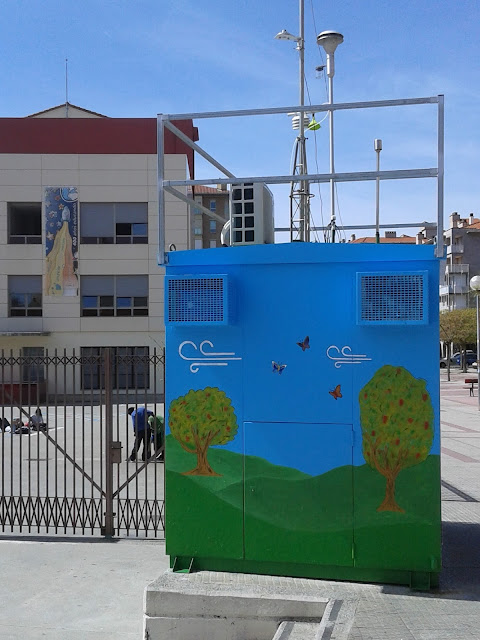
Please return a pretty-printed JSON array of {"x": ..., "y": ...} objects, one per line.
[{"x": 251, "y": 214}]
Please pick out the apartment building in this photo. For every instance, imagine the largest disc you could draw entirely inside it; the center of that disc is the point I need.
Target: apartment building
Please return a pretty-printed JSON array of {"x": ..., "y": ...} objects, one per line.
[
  {"x": 79, "y": 235},
  {"x": 204, "y": 230},
  {"x": 462, "y": 241}
]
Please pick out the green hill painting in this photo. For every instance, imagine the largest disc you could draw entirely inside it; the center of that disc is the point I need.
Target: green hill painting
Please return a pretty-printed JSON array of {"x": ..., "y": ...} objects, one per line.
[{"x": 258, "y": 511}]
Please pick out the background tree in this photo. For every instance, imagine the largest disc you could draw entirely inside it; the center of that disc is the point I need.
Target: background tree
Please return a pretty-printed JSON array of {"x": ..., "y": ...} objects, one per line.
[
  {"x": 396, "y": 415},
  {"x": 199, "y": 420},
  {"x": 460, "y": 327}
]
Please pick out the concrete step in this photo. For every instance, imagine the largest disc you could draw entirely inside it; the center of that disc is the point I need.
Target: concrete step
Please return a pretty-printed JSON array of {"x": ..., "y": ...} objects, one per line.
[{"x": 297, "y": 631}]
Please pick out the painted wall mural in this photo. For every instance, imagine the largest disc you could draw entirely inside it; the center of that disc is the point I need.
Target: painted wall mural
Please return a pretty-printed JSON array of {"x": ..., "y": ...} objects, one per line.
[
  {"x": 199, "y": 420},
  {"x": 61, "y": 236},
  {"x": 344, "y": 356},
  {"x": 205, "y": 357},
  {"x": 277, "y": 367},
  {"x": 305, "y": 344},
  {"x": 397, "y": 422},
  {"x": 337, "y": 392}
]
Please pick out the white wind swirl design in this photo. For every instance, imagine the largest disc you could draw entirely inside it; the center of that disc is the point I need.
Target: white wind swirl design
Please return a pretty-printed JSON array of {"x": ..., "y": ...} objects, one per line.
[
  {"x": 344, "y": 356},
  {"x": 206, "y": 358}
]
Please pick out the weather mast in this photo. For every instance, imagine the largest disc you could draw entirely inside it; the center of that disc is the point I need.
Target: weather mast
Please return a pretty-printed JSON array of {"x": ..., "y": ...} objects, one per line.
[{"x": 300, "y": 188}]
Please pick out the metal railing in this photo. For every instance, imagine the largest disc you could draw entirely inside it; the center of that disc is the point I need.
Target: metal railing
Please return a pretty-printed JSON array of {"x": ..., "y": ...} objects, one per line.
[
  {"x": 65, "y": 442},
  {"x": 166, "y": 122}
]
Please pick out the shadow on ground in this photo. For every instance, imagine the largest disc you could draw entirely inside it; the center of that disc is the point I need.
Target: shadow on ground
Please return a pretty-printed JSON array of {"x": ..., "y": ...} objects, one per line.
[{"x": 461, "y": 560}]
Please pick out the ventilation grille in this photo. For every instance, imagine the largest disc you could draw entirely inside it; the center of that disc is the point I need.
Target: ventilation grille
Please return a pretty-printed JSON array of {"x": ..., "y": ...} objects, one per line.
[
  {"x": 197, "y": 300},
  {"x": 392, "y": 298}
]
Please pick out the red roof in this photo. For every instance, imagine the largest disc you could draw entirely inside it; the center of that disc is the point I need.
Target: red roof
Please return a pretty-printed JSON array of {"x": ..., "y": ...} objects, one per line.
[
  {"x": 399, "y": 240},
  {"x": 92, "y": 136},
  {"x": 474, "y": 225}
]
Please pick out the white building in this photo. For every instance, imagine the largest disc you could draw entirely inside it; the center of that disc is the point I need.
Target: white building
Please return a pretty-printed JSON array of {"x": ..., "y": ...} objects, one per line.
[{"x": 82, "y": 188}]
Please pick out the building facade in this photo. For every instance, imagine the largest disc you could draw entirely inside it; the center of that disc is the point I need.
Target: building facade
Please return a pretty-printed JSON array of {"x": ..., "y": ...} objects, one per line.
[
  {"x": 205, "y": 231},
  {"x": 79, "y": 235},
  {"x": 462, "y": 241}
]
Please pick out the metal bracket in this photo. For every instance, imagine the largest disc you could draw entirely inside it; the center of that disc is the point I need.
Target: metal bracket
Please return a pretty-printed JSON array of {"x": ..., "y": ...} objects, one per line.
[{"x": 116, "y": 452}]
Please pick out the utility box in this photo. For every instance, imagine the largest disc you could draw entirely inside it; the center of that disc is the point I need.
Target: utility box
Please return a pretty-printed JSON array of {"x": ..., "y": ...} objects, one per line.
[{"x": 302, "y": 411}]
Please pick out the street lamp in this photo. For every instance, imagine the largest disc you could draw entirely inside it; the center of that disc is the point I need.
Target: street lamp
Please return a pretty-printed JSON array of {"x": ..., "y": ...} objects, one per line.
[
  {"x": 475, "y": 286},
  {"x": 330, "y": 40},
  {"x": 299, "y": 197}
]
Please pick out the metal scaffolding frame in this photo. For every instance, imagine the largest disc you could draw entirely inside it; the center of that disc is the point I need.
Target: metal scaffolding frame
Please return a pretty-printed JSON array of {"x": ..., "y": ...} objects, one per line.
[{"x": 165, "y": 121}]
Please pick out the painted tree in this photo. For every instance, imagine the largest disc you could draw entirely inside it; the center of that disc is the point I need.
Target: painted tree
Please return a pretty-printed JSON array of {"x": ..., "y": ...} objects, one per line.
[
  {"x": 397, "y": 421},
  {"x": 199, "y": 420}
]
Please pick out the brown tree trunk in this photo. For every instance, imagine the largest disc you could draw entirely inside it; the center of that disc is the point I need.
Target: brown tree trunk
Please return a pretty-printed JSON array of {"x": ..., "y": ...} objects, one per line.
[
  {"x": 203, "y": 467},
  {"x": 389, "y": 503}
]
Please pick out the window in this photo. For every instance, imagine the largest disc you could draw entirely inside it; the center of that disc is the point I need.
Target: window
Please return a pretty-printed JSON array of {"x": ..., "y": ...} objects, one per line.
[
  {"x": 213, "y": 205},
  {"x": 114, "y": 223},
  {"x": 33, "y": 369},
  {"x": 213, "y": 226},
  {"x": 197, "y": 231},
  {"x": 130, "y": 368},
  {"x": 25, "y": 296},
  {"x": 24, "y": 222},
  {"x": 198, "y": 244},
  {"x": 213, "y": 244},
  {"x": 107, "y": 296}
]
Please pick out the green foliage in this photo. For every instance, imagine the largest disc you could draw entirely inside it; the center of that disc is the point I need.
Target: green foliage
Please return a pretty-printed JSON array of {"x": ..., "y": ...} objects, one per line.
[
  {"x": 458, "y": 326},
  {"x": 397, "y": 420}
]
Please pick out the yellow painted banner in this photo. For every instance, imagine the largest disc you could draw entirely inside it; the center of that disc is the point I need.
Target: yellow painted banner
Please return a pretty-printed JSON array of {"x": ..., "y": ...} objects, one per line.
[{"x": 61, "y": 241}]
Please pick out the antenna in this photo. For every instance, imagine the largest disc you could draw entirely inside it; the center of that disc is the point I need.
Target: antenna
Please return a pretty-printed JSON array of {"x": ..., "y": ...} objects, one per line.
[
  {"x": 299, "y": 189},
  {"x": 66, "y": 87}
]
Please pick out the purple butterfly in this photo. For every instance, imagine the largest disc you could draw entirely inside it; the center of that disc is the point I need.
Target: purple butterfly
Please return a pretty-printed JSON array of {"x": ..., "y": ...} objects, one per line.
[
  {"x": 278, "y": 367},
  {"x": 305, "y": 344}
]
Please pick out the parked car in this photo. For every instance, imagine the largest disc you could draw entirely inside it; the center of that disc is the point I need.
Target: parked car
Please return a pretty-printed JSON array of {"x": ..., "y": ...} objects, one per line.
[
  {"x": 470, "y": 356},
  {"x": 456, "y": 359}
]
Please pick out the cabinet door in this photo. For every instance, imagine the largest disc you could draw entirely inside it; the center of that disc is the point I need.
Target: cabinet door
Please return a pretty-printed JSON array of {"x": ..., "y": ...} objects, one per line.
[{"x": 298, "y": 493}]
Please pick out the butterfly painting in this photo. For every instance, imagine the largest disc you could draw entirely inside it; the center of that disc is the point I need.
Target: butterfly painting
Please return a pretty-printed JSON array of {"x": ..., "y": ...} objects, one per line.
[
  {"x": 278, "y": 367},
  {"x": 305, "y": 344},
  {"x": 336, "y": 393}
]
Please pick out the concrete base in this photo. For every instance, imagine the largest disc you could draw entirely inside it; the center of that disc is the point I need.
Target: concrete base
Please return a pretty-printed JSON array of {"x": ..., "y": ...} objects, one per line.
[{"x": 227, "y": 606}]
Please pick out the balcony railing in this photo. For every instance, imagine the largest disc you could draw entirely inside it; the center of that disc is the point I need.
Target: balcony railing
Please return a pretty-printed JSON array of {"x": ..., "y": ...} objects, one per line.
[
  {"x": 457, "y": 268},
  {"x": 455, "y": 248}
]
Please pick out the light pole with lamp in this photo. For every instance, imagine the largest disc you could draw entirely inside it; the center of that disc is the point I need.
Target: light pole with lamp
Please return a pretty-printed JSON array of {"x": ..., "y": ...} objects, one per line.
[
  {"x": 330, "y": 40},
  {"x": 475, "y": 286},
  {"x": 299, "y": 195}
]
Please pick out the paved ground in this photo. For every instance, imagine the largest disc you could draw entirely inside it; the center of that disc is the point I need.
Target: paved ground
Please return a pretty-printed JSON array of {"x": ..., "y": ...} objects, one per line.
[{"x": 93, "y": 590}]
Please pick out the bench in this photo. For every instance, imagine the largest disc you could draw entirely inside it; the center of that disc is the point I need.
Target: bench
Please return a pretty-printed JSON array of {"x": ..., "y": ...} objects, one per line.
[{"x": 472, "y": 382}]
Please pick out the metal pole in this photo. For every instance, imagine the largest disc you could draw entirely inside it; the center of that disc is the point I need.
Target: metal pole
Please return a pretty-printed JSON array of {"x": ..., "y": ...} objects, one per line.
[
  {"x": 378, "y": 147},
  {"x": 440, "y": 178},
  {"x": 304, "y": 235},
  {"x": 332, "y": 161},
  {"x": 161, "y": 257},
  {"x": 108, "y": 529},
  {"x": 478, "y": 348}
]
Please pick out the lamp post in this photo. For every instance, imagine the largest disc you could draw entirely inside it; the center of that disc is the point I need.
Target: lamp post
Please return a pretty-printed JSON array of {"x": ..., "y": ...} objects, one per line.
[
  {"x": 299, "y": 195},
  {"x": 475, "y": 286},
  {"x": 330, "y": 40}
]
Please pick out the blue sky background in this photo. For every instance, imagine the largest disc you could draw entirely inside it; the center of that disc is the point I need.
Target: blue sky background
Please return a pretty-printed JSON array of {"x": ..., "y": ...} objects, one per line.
[{"x": 136, "y": 59}]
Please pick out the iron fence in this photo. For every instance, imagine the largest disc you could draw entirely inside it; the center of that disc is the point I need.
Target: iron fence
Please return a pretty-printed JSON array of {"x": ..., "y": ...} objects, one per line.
[{"x": 66, "y": 440}]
